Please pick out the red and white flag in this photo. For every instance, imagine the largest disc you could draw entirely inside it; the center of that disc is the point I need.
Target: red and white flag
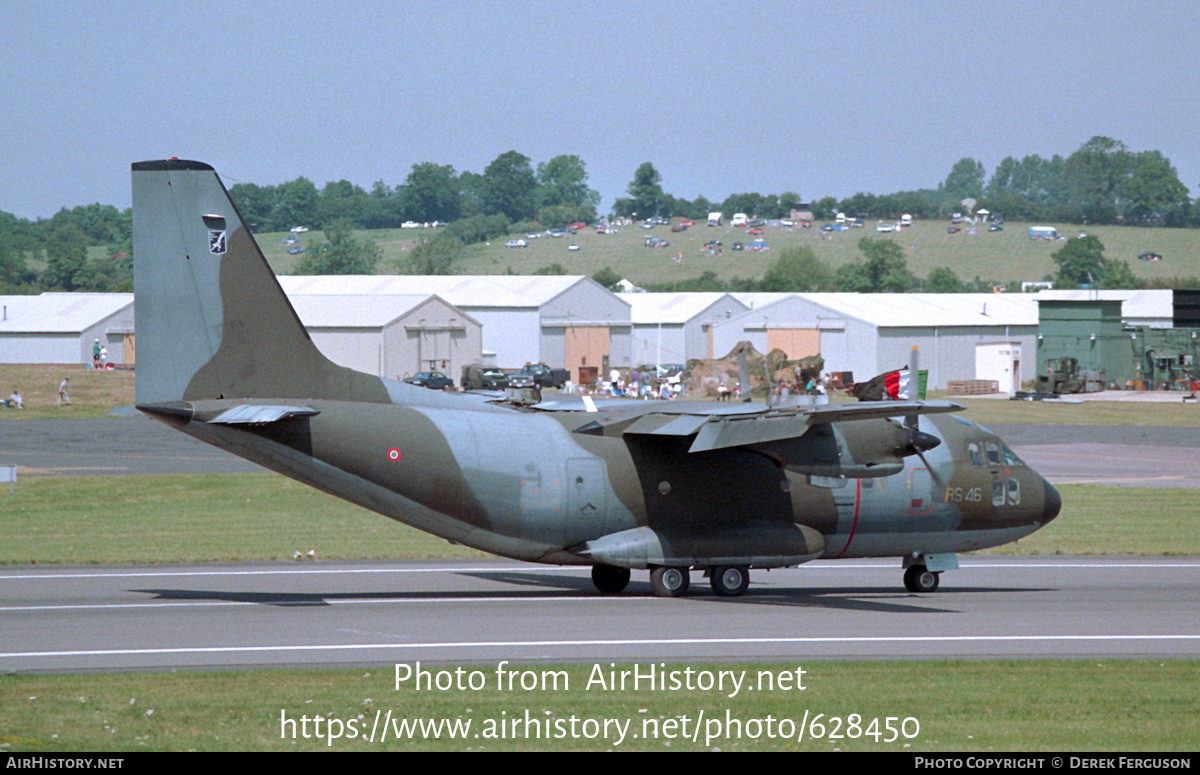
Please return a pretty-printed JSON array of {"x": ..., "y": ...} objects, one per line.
[
  {"x": 891, "y": 385},
  {"x": 895, "y": 384}
]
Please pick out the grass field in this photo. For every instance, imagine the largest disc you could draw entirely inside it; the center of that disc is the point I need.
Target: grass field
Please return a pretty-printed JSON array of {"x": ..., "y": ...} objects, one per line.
[
  {"x": 1003, "y": 256},
  {"x": 93, "y": 393},
  {"x": 263, "y": 517},
  {"x": 1093, "y": 705}
]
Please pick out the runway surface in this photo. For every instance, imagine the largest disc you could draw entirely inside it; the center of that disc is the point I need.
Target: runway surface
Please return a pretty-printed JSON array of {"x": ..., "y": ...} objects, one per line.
[
  {"x": 318, "y": 614},
  {"x": 1064, "y": 454}
]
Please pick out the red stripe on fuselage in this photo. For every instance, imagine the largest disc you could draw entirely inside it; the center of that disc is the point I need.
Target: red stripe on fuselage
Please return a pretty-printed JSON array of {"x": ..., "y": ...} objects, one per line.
[{"x": 854, "y": 524}]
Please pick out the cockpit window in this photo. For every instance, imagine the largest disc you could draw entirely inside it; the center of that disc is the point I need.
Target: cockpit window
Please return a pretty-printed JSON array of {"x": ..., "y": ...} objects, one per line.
[
  {"x": 993, "y": 452},
  {"x": 975, "y": 453},
  {"x": 1010, "y": 457}
]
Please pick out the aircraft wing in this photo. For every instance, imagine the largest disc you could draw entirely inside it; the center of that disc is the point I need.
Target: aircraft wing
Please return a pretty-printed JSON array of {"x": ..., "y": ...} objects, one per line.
[
  {"x": 804, "y": 440},
  {"x": 720, "y": 428}
]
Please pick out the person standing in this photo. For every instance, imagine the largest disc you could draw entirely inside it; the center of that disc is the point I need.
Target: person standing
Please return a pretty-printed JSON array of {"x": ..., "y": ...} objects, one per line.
[
  {"x": 96, "y": 354},
  {"x": 63, "y": 398}
]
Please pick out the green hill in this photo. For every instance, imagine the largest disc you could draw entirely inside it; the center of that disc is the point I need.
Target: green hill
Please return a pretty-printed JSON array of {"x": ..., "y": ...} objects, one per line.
[{"x": 1005, "y": 256}]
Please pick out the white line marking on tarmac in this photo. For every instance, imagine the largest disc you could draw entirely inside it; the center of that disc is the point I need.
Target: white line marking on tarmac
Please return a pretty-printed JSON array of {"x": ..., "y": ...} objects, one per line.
[{"x": 577, "y": 643}]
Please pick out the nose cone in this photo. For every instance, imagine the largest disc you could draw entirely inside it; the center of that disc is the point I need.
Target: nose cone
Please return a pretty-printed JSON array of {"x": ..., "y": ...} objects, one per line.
[{"x": 1053, "y": 503}]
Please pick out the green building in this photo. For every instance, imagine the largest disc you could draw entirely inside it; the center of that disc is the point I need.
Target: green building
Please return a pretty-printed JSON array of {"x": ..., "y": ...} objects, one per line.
[
  {"x": 1081, "y": 346},
  {"x": 1085, "y": 346}
]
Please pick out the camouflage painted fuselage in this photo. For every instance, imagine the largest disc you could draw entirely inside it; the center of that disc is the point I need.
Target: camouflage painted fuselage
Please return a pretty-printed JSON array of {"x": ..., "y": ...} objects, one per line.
[{"x": 527, "y": 484}]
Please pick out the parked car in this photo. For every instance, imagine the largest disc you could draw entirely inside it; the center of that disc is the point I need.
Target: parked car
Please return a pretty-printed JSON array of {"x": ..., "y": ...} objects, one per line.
[
  {"x": 519, "y": 379},
  {"x": 516, "y": 243},
  {"x": 409, "y": 225},
  {"x": 434, "y": 380},
  {"x": 478, "y": 377},
  {"x": 539, "y": 374}
]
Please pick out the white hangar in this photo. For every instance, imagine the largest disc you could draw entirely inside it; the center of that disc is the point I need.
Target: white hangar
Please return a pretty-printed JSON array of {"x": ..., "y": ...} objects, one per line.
[
  {"x": 392, "y": 336},
  {"x": 676, "y": 327},
  {"x": 870, "y": 333},
  {"x": 563, "y": 321},
  {"x": 62, "y": 327}
]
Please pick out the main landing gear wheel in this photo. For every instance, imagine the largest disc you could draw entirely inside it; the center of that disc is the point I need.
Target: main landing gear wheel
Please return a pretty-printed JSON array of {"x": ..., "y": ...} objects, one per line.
[
  {"x": 918, "y": 578},
  {"x": 669, "y": 582},
  {"x": 730, "y": 580},
  {"x": 610, "y": 579}
]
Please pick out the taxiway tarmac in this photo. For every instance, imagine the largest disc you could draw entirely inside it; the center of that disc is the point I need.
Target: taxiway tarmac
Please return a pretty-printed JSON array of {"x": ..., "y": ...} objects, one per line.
[
  {"x": 1064, "y": 454},
  {"x": 325, "y": 614}
]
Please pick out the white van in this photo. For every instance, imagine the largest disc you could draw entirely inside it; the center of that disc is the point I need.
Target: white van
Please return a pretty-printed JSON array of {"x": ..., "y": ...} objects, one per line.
[{"x": 740, "y": 219}]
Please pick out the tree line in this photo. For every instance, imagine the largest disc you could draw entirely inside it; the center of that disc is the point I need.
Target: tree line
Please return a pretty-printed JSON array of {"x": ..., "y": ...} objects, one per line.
[{"x": 1101, "y": 182}]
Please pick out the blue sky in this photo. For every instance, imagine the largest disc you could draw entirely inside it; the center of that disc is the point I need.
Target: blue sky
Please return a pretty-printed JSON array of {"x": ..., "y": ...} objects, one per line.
[{"x": 824, "y": 99}]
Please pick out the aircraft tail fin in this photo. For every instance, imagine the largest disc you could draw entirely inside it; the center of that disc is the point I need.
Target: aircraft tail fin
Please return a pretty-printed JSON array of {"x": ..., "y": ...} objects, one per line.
[{"x": 212, "y": 321}]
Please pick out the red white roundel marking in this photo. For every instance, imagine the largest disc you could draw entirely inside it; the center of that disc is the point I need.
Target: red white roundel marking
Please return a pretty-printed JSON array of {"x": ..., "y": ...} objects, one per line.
[{"x": 393, "y": 454}]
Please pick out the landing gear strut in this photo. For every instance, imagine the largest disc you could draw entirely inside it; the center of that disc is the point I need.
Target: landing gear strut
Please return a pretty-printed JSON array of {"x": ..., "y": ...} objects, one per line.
[
  {"x": 609, "y": 579},
  {"x": 919, "y": 579},
  {"x": 669, "y": 581},
  {"x": 730, "y": 580}
]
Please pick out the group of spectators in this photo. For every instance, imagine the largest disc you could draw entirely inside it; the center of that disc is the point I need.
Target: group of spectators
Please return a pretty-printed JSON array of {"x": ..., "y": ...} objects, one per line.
[{"x": 641, "y": 384}]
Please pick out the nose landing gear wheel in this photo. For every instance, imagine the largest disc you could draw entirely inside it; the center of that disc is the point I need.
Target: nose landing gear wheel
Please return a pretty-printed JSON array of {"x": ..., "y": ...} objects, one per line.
[
  {"x": 730, "y": 580},
  {"x": 669, "y": 582},
  {"x": 920, "y": 579},
  {"x": 609, "y": 579}
]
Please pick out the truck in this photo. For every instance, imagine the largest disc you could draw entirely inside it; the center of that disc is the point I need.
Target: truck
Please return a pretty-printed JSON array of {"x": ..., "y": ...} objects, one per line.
[{"x": 541, "y": 375}]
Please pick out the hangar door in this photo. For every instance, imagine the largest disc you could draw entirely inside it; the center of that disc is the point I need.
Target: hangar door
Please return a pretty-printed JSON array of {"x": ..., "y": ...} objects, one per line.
[
  {"x": 587, "y": 349},
  {"x": 437, "y": 349},
  {"x": 796, "y": 342}
]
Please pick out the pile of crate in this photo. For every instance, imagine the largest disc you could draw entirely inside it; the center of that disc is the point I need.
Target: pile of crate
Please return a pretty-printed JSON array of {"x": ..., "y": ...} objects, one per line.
[{"x": 973, "y": 387}]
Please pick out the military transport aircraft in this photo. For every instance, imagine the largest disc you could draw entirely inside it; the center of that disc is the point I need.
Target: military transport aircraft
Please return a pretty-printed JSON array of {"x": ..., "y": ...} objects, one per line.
[{"x": 668, "y": 487}]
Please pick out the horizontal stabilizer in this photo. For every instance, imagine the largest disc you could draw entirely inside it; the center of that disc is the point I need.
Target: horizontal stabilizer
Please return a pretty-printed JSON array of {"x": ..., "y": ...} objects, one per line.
[{"x": 248, "y": 414}]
